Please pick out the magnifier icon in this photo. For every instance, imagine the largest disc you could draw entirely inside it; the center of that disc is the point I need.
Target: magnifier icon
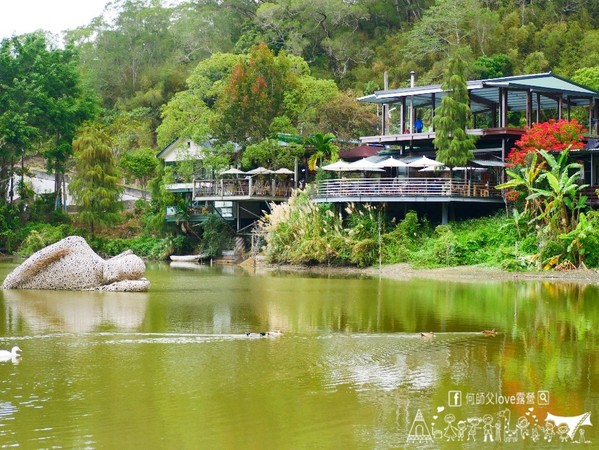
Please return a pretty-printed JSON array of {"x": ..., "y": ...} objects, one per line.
[{"x": 543, "y": 398}]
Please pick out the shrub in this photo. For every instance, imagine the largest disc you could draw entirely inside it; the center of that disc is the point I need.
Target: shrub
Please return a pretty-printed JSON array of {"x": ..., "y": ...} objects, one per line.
[
  {"x": 42, "y": 235},
  {"x": 445, "y": 248}
]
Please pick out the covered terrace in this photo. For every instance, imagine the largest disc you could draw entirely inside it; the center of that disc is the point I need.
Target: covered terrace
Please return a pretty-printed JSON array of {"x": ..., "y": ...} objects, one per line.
[
  {"x": 501, "y": 107},
  {"x": 411, "y": 182}
]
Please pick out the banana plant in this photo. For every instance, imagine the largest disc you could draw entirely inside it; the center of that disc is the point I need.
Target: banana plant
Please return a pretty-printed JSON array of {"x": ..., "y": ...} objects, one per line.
[
  {"x": 524, "y": 179},
  {"x": 561, "y": 194}
]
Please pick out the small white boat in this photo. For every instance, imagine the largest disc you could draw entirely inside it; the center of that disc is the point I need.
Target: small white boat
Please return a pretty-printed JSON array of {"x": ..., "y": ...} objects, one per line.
[{"x": 188, "y": 258}]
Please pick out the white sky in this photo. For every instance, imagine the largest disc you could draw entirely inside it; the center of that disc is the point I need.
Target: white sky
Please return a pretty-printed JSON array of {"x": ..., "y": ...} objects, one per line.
[{"x": 25, "y": 16}]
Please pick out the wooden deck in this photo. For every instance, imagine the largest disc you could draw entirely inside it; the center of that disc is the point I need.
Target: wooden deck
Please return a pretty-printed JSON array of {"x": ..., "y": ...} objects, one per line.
[
  {"x": 241, "y": 188},
  {"x": 409, "y": 189}
]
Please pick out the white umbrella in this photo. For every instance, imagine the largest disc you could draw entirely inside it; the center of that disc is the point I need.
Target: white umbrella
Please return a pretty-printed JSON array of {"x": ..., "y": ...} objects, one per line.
[
  {"x": 337, "y": 166},
  {"x": 363, "y": 165},
  {"x": 284, "y": 171},
  {"x": 425, "y": 162},
  {"x": 391, "y": 162},
  {"x": 260, "y": 171},
  {"x": 233, "y": 171},
  {"x": 445, "y": 169}
]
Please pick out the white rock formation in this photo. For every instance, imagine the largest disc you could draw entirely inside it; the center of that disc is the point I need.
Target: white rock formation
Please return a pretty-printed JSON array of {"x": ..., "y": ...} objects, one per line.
[{"x": 71, "y": 264}]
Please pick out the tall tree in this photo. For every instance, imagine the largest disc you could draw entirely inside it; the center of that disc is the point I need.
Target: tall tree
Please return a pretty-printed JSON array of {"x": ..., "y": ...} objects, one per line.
[
  {"x": 141, "y": 165},
  {"x": 127, "y": 54},
  {"x": 451, "y": 24},
  {"x": 454, "y": 146},
  {"x": 188, "y": 114},
  {"x": 254, "y": 96},
  {"x": 94, "y": 184},
  {"x": 44, "y": 100},
  {"x": 17, "y": 109}
]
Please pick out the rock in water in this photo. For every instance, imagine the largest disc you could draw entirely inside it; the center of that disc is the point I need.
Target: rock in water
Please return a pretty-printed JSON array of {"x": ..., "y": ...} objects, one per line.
[{"x": 71, "y": 264}]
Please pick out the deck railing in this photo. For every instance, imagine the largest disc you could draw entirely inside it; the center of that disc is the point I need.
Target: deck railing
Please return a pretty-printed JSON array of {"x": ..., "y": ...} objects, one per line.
[
  {"x": 408, "y": 187},
  {"x": 339, "y": 188},
  {"x": 242, "y": 187}
]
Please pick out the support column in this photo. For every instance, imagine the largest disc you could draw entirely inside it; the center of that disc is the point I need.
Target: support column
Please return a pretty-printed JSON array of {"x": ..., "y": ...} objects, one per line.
[
  {"x": 560, "y": 107},
  {"x": 503, "y": 107},
  {"x": 444, "y": 213},
  {"x": 385, "y": 119},
  {"x": 433, "y": 112},
  {"x": 529, "y": 108},
  {"x": 412, "y": 84},
  {"x": 403, "y": 115}
]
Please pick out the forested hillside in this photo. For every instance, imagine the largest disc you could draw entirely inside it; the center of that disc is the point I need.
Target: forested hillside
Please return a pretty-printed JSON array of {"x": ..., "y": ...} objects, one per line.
[
  {"x": 144, "y": 53},
  {"x": 322, "y": 55}
]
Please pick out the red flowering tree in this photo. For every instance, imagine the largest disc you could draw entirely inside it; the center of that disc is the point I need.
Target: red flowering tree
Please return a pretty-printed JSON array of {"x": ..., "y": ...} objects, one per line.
[{"x": 553, "y": 135}]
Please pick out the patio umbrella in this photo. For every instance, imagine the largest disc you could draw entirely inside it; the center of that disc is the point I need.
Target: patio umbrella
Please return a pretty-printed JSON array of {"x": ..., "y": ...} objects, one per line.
[
  {"x": 425, "y": 162},
  {"x": 363, "y": 165},
  {"x": 233, "y": 171},
  {"x": 337, "y": 166},
  {"x": 260, "y": 171},
  {"x": 391, "y": 162},
  {"x": 284, "y": 171},
  {"x": 446, "y": 169}
]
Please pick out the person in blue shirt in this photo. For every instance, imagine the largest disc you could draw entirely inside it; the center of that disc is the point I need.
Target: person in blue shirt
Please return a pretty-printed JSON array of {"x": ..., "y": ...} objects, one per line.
[{"x": 418, "y": 125}]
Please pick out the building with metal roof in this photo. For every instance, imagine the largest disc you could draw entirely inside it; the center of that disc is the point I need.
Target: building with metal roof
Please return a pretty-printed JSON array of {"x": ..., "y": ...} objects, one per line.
[{"x": 502, "y": 108}]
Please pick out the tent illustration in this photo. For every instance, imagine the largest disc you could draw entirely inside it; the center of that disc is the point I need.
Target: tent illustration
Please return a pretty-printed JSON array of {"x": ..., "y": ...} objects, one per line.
[
  {"x": 419, "y": 432},
  {"x": 573, "y": 422}
]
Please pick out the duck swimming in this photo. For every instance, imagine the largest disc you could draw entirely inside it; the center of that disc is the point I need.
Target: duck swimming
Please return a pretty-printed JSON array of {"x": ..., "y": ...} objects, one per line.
[
  {"x": 254, "y": 335},
  {"x": 275, "y": 333},
  {"x": 427, "y": 335},
  {"x": 489, "y": 332},
  {"x": 5, "y": 355}
]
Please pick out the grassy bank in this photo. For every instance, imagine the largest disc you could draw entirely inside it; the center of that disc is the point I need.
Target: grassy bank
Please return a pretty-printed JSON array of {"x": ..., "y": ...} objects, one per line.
[{"x": 302, "y": 232}]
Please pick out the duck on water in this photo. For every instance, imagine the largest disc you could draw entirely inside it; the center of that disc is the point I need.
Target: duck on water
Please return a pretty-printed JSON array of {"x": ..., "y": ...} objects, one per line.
[{"x": 275, "y": 333}]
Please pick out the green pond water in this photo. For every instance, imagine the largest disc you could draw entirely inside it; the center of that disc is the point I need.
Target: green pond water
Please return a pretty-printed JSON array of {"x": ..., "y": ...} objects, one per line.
[{"x": 173, "y": 368}]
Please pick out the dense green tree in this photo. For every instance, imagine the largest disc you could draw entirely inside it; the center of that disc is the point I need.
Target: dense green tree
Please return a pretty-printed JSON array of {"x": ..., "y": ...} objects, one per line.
[
  {"x": 127, "y": 54},
  {"x": 254, "y": 95},
  {"x": 589, "y": 76},
  {"x": 17, "y": 111},
  {"x": 185, "y": 116},
  {"x": 328, "y": 31},
  {"x": 44, "y": 101},
  {"x": 201, "y": 29},
  {"x": 189, "y": 114},
  {"x": 454, "y": 147},
  {"x": 130, "y": 129},
  {"x": 451, "y": 24},
  {"x": 346, "y": 118},
  {"x": 494, "y": 66},
  {"x": 140, "y": 164},
  {"x": 95, "y": 182},
  {"x": 271, "y": 154}
]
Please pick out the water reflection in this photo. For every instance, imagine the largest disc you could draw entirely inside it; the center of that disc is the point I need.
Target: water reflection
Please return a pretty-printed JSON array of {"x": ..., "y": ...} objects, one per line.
[{"x": 74, "y": 311}]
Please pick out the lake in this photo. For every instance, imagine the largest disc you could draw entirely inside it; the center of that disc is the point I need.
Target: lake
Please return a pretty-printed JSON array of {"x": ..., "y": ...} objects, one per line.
[{"x": 173, "y": 367}]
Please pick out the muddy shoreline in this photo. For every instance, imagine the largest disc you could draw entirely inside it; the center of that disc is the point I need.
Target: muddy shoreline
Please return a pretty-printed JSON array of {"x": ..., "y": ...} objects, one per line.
[{"x": 460, "y": 273}]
